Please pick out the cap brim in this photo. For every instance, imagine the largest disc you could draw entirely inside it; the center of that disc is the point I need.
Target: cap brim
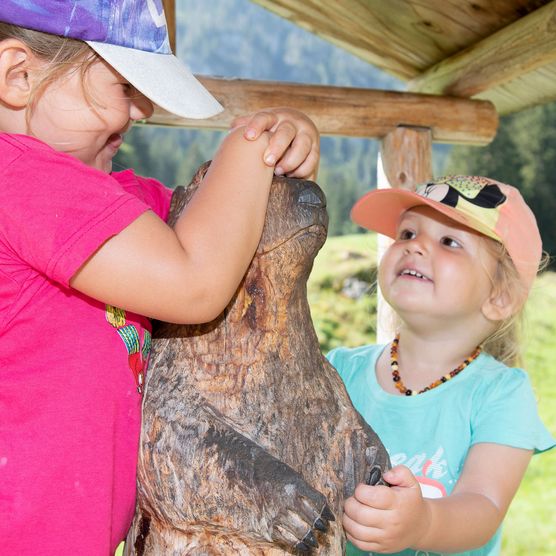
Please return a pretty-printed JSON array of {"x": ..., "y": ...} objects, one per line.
[
  {"x": 162, "y": 78},
  {"x": 380, "y": 210}
]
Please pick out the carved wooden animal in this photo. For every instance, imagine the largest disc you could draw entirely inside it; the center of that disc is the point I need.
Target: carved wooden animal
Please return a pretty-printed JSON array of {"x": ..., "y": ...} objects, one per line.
[{"x": 250, "y": 442}]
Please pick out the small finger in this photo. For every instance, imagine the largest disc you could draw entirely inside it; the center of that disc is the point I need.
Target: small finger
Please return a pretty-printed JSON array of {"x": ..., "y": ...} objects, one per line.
[
  {"x": 259, "y": 122},
  {"x": 281, "y": 139},
  {"x": 296, "y": 154},
  {"x": 308, "y": 169},
  {"x": 371, "y": 547},
  {"x": 379, "y": 497},
  {"x": 401, "y": 476},
  {"x": 360, "y": 531},
  {"x": 359, "y": 518},
  {"x": 361, "y": 514}
]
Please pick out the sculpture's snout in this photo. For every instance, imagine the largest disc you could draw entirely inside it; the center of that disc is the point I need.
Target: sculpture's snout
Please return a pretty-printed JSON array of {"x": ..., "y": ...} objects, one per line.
[{"x": 311, "y": 194}]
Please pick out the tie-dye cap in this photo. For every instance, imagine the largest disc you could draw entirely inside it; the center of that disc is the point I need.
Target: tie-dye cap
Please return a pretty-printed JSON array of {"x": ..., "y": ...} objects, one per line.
[
  {"x": 131, "y": 35},
  {"x": 494, "y": 209}
]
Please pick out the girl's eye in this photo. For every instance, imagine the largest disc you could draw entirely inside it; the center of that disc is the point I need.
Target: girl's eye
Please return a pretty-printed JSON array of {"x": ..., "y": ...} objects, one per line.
[
  {"x": 406, "y": 234},
  {"x": 450, "y": 242},
  {"x": 128, "y": 88}
]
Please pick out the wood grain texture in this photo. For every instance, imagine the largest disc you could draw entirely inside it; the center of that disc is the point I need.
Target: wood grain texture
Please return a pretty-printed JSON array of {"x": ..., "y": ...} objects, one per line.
[
  {"x": 521, "y": 47},
  {"x": 351, "y": 111},
  {"x": 501, "y": 51},
  {"x": 170, "y": 12},
  {"x": 407, "y": 157},
  {"x": 496, "y": 50},
  {"x": 525, "y": 91},
  {"x": 403, "y": 37},
  {"x": 249, "y": 438}
]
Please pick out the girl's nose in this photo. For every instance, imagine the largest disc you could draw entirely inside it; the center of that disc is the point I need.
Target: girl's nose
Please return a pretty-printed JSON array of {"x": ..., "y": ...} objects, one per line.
[
  {"x": 416, "y": 245},
  {"x": 141, "y": 107}
]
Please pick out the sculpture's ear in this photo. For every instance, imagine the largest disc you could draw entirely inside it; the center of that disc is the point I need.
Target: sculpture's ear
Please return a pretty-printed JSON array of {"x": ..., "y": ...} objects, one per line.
[
  {"x": 177, "y": 204},
  {"x": 183, "y": 194},
  {"x": 201, "y": 171}
]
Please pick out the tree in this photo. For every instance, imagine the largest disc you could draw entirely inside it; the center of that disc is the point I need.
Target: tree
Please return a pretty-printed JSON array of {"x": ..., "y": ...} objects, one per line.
[
  {"x": 500, "y": 160},
  {"x": 535, "y": 132},
  {"x": 523, "y": 154}
]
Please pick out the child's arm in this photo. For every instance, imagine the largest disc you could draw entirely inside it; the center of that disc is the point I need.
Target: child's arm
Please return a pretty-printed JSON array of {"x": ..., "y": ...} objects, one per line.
[
  {"x": 385, "y": 520},
  {"x": 294, "y": 146},
  {"x": 188, "y": 274}
]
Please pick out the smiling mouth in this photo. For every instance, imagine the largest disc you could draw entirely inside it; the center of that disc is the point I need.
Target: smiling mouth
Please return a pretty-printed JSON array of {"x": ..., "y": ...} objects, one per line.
[{"x": 414, "y": 273}]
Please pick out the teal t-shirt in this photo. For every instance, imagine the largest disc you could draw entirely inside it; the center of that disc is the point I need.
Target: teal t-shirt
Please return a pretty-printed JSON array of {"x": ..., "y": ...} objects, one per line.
[{"x": 487, "y": 402}]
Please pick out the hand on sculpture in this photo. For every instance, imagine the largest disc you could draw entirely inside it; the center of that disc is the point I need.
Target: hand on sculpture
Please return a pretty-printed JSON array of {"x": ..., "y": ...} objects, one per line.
[
  {"x": 295, "y": 142},
  {"x": 387, "y": 519}
]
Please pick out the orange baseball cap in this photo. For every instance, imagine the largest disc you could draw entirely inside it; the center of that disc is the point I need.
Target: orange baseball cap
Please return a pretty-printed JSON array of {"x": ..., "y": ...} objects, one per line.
[{"x": 494, "y": 209}]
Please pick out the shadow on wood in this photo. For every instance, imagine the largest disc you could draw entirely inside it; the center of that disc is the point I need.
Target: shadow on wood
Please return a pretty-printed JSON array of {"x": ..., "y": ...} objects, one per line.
[{"x": 250, "y": 442}]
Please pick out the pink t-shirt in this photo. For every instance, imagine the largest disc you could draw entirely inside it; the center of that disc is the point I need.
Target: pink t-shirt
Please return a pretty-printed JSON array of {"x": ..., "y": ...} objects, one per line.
[{"x": 69, "y": 365}]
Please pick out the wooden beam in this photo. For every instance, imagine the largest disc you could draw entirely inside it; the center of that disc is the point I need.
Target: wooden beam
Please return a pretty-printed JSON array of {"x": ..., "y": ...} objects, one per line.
[
  {"x": 521, "y": 47},
  {"x": 350, "y": 111},
  {"x": 526, "y": 91},
  {"x": 170, "y": 12}
]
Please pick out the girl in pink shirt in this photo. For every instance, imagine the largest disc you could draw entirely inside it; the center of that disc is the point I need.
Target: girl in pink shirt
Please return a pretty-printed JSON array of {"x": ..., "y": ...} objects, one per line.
[{"x": 86, "y": 257}]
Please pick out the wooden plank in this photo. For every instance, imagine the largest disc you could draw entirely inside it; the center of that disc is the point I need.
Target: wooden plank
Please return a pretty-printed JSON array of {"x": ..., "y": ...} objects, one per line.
[
  {"x": 350, "y": 111},
  {"x": 405, "y": 160},
  {"x": 523, "y": 46},
  {"x": 402, "y": 37},
  {"x": 525, "y": 91},
  {"x": 170, "y": 12}
]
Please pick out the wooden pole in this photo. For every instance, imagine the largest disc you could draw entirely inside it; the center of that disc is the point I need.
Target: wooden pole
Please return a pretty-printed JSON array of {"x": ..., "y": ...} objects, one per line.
[
  {"x": 170, "y": 12},
  {"x": 405, "y": 160},
  {"x": 407, "y": 156}
]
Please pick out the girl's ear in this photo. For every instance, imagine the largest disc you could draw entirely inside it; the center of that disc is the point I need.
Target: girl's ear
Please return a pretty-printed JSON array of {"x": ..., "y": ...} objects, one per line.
[
  {"x": 17, "y": 62},
  {"x": 500, "y": 306}
]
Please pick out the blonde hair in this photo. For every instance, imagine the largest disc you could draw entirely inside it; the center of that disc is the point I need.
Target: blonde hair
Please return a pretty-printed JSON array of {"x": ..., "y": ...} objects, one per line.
[
  {"x": 505, "y": 342},
  {"x": 60, "y": 53}
]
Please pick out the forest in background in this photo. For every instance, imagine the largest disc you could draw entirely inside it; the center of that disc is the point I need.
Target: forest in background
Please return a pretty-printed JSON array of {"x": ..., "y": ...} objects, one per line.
[{"x": 236, "y": 38}]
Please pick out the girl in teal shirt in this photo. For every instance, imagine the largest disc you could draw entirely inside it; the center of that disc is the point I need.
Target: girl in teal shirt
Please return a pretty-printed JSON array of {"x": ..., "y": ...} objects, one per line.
[{"x": 446, "y": 397}]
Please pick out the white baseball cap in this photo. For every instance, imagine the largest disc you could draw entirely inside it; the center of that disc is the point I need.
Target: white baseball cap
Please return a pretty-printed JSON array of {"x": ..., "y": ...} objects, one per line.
[{"x": 132, "y": 36}]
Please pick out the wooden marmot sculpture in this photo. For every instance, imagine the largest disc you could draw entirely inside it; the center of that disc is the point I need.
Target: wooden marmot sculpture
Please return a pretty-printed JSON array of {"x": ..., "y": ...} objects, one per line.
[{"x": 250, "y": 442}]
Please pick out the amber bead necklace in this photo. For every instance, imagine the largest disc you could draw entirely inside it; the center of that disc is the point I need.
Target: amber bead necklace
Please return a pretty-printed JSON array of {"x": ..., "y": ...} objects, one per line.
[{"x": 444, "y": 378}]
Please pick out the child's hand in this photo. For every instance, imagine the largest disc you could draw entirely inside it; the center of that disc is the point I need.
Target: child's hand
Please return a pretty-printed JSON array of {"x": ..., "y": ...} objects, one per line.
[
  {"x": 387, "y": 519},
  {"x": 294, "y": 145}
]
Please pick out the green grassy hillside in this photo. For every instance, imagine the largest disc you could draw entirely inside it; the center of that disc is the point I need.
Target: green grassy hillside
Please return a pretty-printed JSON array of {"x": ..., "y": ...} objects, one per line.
[{"x": 346, "y": 265}]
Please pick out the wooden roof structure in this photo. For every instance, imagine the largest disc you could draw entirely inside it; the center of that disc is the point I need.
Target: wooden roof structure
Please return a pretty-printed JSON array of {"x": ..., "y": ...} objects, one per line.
[
  {"x": 464, "y": 62},
  {"x": 498, "y": 50}
]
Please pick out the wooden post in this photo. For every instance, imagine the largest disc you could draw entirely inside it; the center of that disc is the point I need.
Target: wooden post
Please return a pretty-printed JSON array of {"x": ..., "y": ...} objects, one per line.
[
  {"x": 170, "y": 12},
  {"x": 405, "y": 160}
]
